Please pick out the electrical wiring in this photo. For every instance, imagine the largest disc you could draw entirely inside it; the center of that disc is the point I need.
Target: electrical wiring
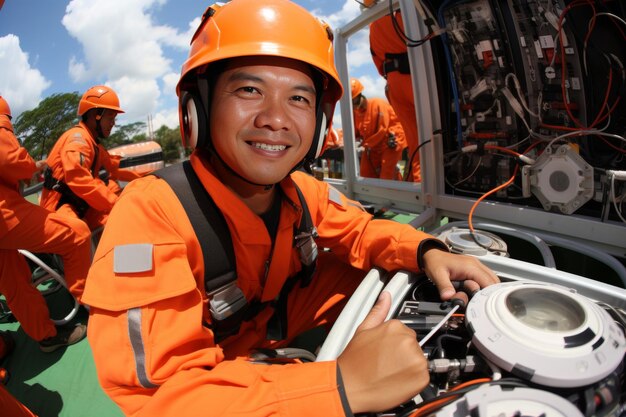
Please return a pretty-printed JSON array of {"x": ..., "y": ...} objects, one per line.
[
  {"x": 616, "y": 17},
  {"x": 409, "y": 42},
  {"x": 451, "y": 73},
  {"x": 600, "y": 116},
  {"x": 428, "y": 407},
  {"x": 434, "y": 330},
  {"x": 407, "y": 176},
  {"x": 609, "y": 144},
  {"x": 618, "y": 210},
  {"x": 520, "y": 95},
  {"x": 477, "y": 202},
  {"x": 471, "y": 174}
]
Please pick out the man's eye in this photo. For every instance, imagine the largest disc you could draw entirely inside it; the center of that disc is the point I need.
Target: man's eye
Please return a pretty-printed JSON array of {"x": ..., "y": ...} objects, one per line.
[
  {"x": 248, "y": 89},
  {"x": 300, "y": 99}
]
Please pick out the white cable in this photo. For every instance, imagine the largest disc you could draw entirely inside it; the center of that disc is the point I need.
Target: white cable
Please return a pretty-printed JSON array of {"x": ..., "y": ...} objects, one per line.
[
  {"x": 496, "y": 373},
  {"x": 616, "y": 175},
  {"x": 438, "y": 326},
  {"x": 614, "y": 198},
  {"x": 613, "y": 16},
  {"x": 520, "y": 94}
]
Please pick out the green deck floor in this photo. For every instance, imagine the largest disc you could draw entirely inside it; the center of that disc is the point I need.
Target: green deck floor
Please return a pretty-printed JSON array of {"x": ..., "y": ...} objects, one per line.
[{"x": 57, "y": 384}]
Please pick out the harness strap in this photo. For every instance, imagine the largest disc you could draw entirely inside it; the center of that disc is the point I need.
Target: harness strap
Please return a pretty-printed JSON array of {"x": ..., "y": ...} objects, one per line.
[
  {"x": 227, "y": 304},
  {"x": 396, "y": 62},
  {"x": 67, "y": 195}
]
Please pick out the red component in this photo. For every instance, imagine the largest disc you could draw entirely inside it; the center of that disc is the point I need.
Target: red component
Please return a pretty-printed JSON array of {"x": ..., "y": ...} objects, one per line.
[
  {"x": 487, "y": 59},
  {"x": 559, "y": 105}
]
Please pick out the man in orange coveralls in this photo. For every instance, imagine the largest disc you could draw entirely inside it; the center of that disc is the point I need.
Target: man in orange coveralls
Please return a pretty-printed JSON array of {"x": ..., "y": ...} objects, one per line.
[
  {"x": 30, "y": 227},
  {"x": 72, "y": 184},
  {"x": 381, "y": 134},
  {"x": 257, "y": 96},
  {"x": 389, "y": 52}
]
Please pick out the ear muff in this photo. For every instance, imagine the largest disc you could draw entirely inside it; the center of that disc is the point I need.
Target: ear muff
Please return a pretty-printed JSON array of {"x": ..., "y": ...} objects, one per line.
[
  {"x": 319, "y": 138},
  {"x": 193, "y": 121}
]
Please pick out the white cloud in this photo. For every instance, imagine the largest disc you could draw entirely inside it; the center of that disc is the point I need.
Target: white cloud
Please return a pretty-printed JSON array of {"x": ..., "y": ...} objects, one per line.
[
  {"x": 349, "y": 11},
  {"x": 138, "y": 97},
  {"x": 21, "y": 85},
  {"x": 168, "y": 117},
  {"x": 125, "y": 48},
  {"x": 359, "y": 49}
]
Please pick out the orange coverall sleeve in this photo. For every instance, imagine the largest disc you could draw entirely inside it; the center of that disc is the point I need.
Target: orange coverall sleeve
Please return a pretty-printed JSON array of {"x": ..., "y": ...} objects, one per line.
[
  {"x": 153, "y": 354},
  {"x": 352, "y": 233},
  {"x": 76, "y": 158},
  {"x": 15, "y": 162}
]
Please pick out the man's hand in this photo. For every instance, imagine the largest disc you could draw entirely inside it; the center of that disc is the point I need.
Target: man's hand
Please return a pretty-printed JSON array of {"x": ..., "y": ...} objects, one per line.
[
  {"x": 40, "y": 165},
  {"x": 443, "y": 267},
  {"x": 383, "y": 365}
]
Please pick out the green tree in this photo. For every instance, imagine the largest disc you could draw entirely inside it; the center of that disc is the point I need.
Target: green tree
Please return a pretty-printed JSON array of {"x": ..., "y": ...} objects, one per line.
[
  {"x": 170, "y": 142},
  {"x": 126, "y": 134},
  {"x": 39, "y": 129}
]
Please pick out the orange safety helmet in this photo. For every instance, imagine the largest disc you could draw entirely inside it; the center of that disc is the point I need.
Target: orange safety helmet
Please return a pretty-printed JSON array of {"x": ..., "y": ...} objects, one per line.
[
  {"x": 356, "y": 87},
  {"x": 4, "y": 107},
  {"x": 99, "y": 97},
  {"x": 256, "y": 28}
]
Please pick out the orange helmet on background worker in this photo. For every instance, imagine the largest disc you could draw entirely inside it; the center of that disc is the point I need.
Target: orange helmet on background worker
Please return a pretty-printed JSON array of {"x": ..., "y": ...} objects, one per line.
[
  {"x": 356, "y": 87},
  {"x": 99, "y": 97},
  {"x": 281, "y": 30},
  {"x": 4, "y": 107}
]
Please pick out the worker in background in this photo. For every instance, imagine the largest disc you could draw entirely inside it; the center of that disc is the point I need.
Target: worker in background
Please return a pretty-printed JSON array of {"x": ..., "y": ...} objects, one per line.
[
  {"x": 30, "y": 227},
  {"x": 256, "y": 100},
  {"x": 378, "y": 133},
  {"x": 72, "y": 182},
  {"x": 9, "y": 405},
  {"x": 389, "y": 52}
]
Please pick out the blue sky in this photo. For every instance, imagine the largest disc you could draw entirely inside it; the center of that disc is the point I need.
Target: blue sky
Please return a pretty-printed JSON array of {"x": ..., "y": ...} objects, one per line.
[{"x": 135, "y": 46}]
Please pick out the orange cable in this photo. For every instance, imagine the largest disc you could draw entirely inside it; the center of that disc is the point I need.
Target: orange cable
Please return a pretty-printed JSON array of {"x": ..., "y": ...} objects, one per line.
[{"x": 498, "y": 188}]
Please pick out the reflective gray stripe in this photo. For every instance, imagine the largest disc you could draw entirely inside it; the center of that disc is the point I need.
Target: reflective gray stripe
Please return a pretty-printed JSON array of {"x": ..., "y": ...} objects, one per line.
[
  {"x": 134, "y": 333},
  {"x": 356, "y": 204},
  {"x": 334, "y": 196}
]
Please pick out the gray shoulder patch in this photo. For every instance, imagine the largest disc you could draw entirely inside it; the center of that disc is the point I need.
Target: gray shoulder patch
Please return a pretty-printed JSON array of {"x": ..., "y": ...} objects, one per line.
[
  {"x": 334, "y": 195},
  {"x": 132, "y": 258}
]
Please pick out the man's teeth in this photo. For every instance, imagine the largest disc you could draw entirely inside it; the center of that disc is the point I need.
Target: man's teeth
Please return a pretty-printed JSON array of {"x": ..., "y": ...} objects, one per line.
[{"x": 267, "y": 147}]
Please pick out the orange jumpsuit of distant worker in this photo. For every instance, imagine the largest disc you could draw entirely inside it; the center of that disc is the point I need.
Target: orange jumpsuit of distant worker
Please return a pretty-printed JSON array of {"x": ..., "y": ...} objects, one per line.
[
  {"x": 155, "y": 354},
  {"x": 384, "y": 44},
  {"x": 71, "y": 160},
  {"x": 27, "y": 226},
  {"x": 11, "y": 407},
  {"x": 374, "y": 124}
]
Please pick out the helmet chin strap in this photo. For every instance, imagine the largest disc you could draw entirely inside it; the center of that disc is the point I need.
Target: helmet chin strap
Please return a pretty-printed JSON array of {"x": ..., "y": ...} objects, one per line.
[{"x": 99, "y": 131}]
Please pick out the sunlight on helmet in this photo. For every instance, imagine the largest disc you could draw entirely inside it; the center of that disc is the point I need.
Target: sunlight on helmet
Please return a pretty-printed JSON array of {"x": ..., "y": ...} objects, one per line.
[
  {"x": 269, "y": 48},
  {"x": 269, "y": 14}
]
